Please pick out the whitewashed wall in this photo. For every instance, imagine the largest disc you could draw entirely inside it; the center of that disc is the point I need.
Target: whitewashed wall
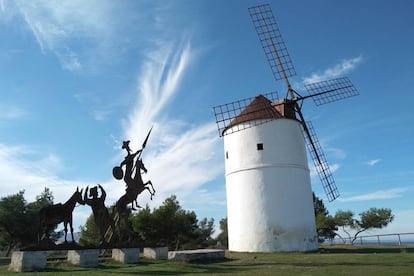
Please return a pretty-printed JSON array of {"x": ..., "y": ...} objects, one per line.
[{"x": 269, "y": 196}]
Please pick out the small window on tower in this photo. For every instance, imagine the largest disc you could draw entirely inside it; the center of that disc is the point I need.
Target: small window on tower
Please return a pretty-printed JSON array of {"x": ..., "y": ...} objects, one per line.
[
  {"x": 227, "y": 155},
  {"x": 260, "y": 146}
]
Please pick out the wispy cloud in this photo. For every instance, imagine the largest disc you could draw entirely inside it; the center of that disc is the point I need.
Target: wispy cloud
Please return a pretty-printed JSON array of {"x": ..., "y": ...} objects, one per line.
[
  {"x": 373, "y": 162},
  {"x": 24, "y": 168},
  {"x": 378, "y": 195},
  {"x": 339, "y": 69},
  {"x": 57, "y": 26},
  {"x": 180, "y": 156},
  {"x": 9, "y": 112},
  {"x": 314, "y": 173},
  {"x": 100, "y": 108},
  {"x": 159, "y": 79}
]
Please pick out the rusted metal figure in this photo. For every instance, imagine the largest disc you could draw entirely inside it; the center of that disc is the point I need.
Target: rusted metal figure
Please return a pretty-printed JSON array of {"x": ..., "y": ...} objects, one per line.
[
  {"x": 54, "y": 214},
  {"x": 100, "y": 213}
]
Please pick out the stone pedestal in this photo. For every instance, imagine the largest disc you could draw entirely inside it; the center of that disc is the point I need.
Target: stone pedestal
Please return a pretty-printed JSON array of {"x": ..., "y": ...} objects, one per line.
[
  {"x": 28, "y": 261},
  {"x": 199, "y": 254},
  {"x": 157, "y": 253},
  {"x": 84, "y": 258},
  {"x": 126, "y": 255}
]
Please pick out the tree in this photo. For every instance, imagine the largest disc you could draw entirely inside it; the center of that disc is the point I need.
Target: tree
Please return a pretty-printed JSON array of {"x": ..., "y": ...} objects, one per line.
[
  {"x": 325, "y": 224},
  {"x": 223, "y": 237},
  {"x": 32, "y": 217},
  {"x": 143, "y": 224},
  {"x": 170, "y": 225},
  {"x": 373, "y": 218},
  {"x": 12, "y": 220},
  {"x": 203, "y": 233},
  {"x": 89, "y": 233},
  {"x": 19, "y": 220},
  {"x": 345, "y": 220}
]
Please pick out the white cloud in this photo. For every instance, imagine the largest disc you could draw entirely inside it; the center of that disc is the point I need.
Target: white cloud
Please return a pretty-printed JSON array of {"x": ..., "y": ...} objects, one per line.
[
  {"x": 2, "y": 6},
  {"x": 402, "y": 223},
  {"x": 9, "y": 112},
  {"x": 339, "y": 69},
  {"x": 160, "y": 76},
  {"x": 332, "y": 168},
  {"x": 69, "y": 60},
  {"x": 23, "y": 168},
  {"x": 180, "y": 156},
  {"x": 57, "y": 26},
  {"x": 100, "y": 115},
  {"x": 378, "y": 195},
  {"x": 373, "y": 162}
]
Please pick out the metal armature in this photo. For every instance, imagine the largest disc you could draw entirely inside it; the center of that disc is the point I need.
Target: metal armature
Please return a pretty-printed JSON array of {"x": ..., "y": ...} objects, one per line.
[
  {"x": 319, "y": 160},
  {"x": 226, "y": 114},
  {"x": 331, "y": 90},
  {"x": 272, "y": 42}
]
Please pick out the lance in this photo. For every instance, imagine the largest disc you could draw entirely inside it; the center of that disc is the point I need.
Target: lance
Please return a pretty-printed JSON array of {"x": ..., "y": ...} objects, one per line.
[{"x": 145, "y": 142}]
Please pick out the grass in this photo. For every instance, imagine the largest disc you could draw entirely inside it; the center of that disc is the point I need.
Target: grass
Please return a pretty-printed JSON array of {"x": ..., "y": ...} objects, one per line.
[{"x": 328, "y": 260}]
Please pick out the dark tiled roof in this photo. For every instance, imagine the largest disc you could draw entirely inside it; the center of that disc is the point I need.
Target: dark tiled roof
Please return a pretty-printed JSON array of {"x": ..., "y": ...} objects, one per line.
[
  {"x": 259, "y": 108},
  {"x": 262, "y": 108}
]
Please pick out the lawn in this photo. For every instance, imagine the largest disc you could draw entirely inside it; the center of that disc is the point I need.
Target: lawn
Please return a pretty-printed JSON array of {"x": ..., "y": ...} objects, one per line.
[{"x": 329, "y": 260}]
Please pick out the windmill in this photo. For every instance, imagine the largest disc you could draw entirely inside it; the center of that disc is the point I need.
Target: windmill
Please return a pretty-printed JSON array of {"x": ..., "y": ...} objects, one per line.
[{"x": 269, "y": 197}]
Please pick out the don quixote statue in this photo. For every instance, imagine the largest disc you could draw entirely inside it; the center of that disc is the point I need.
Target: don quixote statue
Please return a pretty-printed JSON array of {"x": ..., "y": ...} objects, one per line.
[{"x": 130, "y": 170}]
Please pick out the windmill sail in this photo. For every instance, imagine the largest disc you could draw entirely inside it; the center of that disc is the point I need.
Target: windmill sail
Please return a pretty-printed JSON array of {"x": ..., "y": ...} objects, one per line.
[
  {"x": 272, "y": 42},
  {"x": 331, "y": 90},
  {"x": 229, "y": 116},
  {"x": 320, "y": 162}
]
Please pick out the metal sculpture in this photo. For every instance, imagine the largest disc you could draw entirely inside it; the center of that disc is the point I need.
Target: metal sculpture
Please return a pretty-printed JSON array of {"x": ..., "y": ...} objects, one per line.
[
  {"x": 52, "y": 215},
  {"x": 100, "y": 213},
  {"x": 132, "y": 176},
  {"x": 130, "y": 170}
]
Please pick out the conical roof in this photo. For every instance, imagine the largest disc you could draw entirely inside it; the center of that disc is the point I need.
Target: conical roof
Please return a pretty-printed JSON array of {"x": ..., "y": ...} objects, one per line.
[{"x": 260, "y": 108}]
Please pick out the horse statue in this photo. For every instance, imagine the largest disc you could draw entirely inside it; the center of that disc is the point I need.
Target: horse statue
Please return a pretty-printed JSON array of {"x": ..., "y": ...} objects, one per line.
[
  {"x": 135, "y": 186},
  {"x": 133, "y": 180},
  {"x": 52, "y": 215}
]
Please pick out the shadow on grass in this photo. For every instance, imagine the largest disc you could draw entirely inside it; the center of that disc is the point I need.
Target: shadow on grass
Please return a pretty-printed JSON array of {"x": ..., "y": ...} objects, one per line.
[{"x": 153, "y": 267}]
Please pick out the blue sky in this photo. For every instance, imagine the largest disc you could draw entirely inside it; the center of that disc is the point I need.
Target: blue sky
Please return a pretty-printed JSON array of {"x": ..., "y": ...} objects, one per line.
[{"x": 79, "y": 77}]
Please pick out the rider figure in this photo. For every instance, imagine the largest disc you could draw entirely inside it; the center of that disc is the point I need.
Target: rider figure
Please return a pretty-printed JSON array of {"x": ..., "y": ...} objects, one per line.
[{"x": 131, "y": 182}]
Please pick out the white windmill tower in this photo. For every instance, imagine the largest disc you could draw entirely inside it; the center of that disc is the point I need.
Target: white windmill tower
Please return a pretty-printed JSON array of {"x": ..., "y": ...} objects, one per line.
[{"x": 269, "y": 196}]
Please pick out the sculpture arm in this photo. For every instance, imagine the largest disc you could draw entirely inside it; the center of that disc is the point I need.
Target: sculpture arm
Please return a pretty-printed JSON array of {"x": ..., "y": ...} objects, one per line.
[
  {"x": 103, "y": 192},
  {"x": 85, "y": 196}
]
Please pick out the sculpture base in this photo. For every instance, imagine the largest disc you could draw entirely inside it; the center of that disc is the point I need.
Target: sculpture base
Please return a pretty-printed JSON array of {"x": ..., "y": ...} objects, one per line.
[
  {"x": 199, "y": 254},
  {"x": 84, "y": 258},
  {"x": 126, "y": 255},
  {"x": 28, "y": 261},
  {"x": 157, "y": 253}
]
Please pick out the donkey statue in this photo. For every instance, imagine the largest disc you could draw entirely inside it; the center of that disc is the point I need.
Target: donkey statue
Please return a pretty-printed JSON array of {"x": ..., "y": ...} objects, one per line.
[{"x": 52, "y": 215}]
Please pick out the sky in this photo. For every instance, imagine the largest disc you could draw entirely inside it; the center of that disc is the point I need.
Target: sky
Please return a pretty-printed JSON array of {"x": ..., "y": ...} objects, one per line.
[{"x": 79, "y": 77}]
